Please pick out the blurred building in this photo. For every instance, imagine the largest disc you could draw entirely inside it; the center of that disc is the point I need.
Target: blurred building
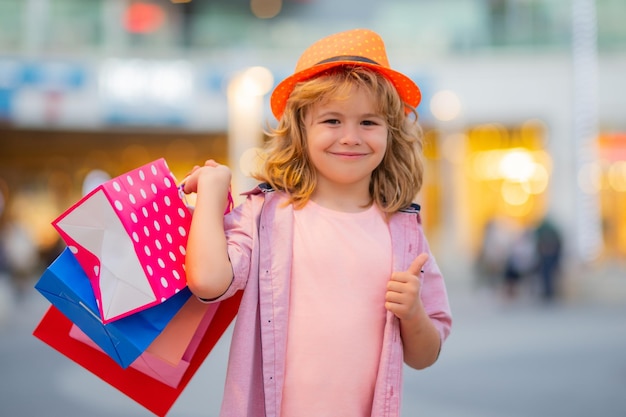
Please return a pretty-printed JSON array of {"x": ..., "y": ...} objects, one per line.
[{"x": 523, "y": 101}]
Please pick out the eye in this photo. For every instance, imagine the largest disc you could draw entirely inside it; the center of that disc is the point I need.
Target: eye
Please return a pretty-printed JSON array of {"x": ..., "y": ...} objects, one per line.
[
  {"x": 331, "y": 121},
  {"x": 370, "y": 123}
]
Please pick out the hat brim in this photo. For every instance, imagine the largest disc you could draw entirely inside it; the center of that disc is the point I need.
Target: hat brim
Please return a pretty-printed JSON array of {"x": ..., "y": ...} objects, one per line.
[{"x": 407, "y": 89}]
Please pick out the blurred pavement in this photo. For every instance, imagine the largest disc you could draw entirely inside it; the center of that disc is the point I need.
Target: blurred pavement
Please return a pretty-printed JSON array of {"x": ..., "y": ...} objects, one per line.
[{"x": 503, "y": 359}]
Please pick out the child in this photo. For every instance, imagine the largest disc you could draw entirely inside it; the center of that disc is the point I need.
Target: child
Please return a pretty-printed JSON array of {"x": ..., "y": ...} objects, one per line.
[{"x": 339, "y": 283}]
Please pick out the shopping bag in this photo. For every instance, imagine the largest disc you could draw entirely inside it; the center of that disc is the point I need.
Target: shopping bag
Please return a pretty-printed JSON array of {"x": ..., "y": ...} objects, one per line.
[
  {"x": 129, "y": 234},
  {"x": 172, "y": 343},
  {"x": 153, "y": 362},
  {"x": 154, "y": 395},
  {"x": 66, "y": 286}
]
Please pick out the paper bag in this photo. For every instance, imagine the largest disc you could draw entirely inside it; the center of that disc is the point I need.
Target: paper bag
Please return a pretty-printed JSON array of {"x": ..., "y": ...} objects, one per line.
[
  {"x": 129, "y": 235},
  {"x": 66, "y": 286},
  {"x": 156, "y": 361},
  {"x": 154, "y": 395},
  {"x": 177, "y": 337}
]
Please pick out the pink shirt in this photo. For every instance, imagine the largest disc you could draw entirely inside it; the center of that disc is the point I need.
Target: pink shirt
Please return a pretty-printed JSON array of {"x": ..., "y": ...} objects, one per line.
[
  {"x": 260, "y": 236},
  {"x": 341, "y": 266}
]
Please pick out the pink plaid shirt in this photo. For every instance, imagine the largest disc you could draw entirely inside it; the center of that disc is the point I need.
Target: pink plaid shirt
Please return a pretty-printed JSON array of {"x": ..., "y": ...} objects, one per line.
[{"x": 259, "y": 234}]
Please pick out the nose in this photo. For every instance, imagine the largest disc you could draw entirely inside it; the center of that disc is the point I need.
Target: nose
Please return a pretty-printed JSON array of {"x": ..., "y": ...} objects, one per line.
[{"x": 350, "y": 135}]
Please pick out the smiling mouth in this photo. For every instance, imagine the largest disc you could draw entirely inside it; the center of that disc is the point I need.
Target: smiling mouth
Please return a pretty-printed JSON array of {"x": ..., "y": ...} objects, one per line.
[{"x": 348, "y": 154}]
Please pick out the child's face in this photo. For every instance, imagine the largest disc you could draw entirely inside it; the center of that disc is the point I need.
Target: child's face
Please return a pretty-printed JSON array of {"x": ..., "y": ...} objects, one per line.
[{"x": 346, "y": 139}]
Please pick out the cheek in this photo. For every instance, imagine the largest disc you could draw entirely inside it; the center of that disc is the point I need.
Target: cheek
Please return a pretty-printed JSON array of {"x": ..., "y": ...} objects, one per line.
[
  {"x": 383, "y": 145},
  {"x": 382, "y": 149},
  {"x": 318, "y": 141},
  {"x": 310, "y": 146},
  {"x": 313, "y": 150}
]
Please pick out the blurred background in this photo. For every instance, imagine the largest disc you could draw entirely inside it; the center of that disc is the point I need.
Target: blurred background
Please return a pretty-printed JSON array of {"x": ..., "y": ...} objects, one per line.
[{"x": 524, "y": 199}]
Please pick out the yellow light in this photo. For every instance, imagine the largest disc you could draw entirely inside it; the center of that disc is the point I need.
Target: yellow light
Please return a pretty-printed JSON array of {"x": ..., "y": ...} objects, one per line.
[
  {"x": 479, "y": 165},
  {"x": 538, "y": 182},
  {"x": 485, "y": 165},
  {"x": 520, "y": 211},
  {"x": 513, "y": 193},
  {"x": 617, "y": 176},
  {"x": 517, "y": 165}
]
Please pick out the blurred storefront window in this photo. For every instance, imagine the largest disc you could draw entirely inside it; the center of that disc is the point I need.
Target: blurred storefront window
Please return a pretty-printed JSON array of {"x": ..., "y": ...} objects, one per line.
[
  {"x": 72, "y": 25},
  {"x": 453, "y": 26},
  {"x": 507, "y": 172},
  {"x": 612, "y": 184},
  {"x": 10, "y": 25},
  {"x": 433, "y": 187}
]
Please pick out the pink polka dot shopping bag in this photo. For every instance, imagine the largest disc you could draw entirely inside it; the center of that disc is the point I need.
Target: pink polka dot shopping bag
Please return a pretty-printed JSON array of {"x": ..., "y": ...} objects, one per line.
[{"x": 129, "y": 235}]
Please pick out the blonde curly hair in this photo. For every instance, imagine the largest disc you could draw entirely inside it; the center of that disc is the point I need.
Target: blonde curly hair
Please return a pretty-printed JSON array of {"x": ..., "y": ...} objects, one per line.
[{"x": 395, "y": 182}]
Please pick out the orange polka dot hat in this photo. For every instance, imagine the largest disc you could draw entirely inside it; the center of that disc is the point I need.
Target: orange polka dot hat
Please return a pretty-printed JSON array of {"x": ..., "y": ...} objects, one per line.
[{"x": 361, "y": 47}]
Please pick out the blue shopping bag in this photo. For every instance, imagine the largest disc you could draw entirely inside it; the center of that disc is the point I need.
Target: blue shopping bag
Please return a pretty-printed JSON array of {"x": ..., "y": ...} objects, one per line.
[{"x": 67, "y": 287}]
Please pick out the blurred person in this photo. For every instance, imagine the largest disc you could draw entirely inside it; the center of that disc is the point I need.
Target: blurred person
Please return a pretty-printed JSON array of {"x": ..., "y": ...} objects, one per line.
[
  {"x": 339, "y": 284},
  {"x": 521, "y": 262},
  {"x": 6, "y": 289},
  {"x": 22, "y": 255},
  {"x": 4, "y": 261},
  {"x": 6, "y": 298},
  {"x": 549, "y": 250},
  {"x": 492, "y": 258}
]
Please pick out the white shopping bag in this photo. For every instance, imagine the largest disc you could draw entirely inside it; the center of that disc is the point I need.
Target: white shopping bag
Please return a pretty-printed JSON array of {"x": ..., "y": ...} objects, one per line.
[{"x": 129, "y": 235}]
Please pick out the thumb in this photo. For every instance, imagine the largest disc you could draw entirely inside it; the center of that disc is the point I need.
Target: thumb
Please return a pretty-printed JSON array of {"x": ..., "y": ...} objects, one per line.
[{"x": 417, "y": 265}]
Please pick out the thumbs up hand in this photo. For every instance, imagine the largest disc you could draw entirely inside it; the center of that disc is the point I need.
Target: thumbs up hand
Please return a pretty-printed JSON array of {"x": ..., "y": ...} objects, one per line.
[{"x": 403, "y": 290}]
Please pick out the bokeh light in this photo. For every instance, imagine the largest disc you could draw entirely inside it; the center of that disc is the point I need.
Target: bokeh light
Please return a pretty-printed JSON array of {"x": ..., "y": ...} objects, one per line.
[{"x": 445, "y": 106}]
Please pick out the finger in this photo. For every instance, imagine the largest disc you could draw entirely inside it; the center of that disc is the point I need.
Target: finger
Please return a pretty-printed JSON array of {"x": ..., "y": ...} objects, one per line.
[
  {"x": 396, "y": 284},
  {"x": 185, "y": 186},
  {"x": 192, "y": 171},
  {"x": 403, "y": 288},
  {"x": 393, "y": 307},
  {"x": 417, "y": 266},
  {"x": 394, "y": 297},
  {"x": 399, "y": 310},
  {"x": 210, "y": 163}
]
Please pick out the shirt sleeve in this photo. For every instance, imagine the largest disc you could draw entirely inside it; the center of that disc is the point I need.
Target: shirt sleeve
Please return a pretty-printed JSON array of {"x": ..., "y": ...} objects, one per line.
[
  {"x": 434, "y": 294},
  {"x": 436, "y": 303},
  {"x": 240, "y": 231}
]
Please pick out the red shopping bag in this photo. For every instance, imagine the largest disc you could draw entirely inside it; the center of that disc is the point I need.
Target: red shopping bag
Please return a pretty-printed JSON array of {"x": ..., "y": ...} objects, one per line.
[
  {"x": 129, "y": 235},
  {"x": 169, "y": 356},
  {"x": 158, "y": 397}
]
